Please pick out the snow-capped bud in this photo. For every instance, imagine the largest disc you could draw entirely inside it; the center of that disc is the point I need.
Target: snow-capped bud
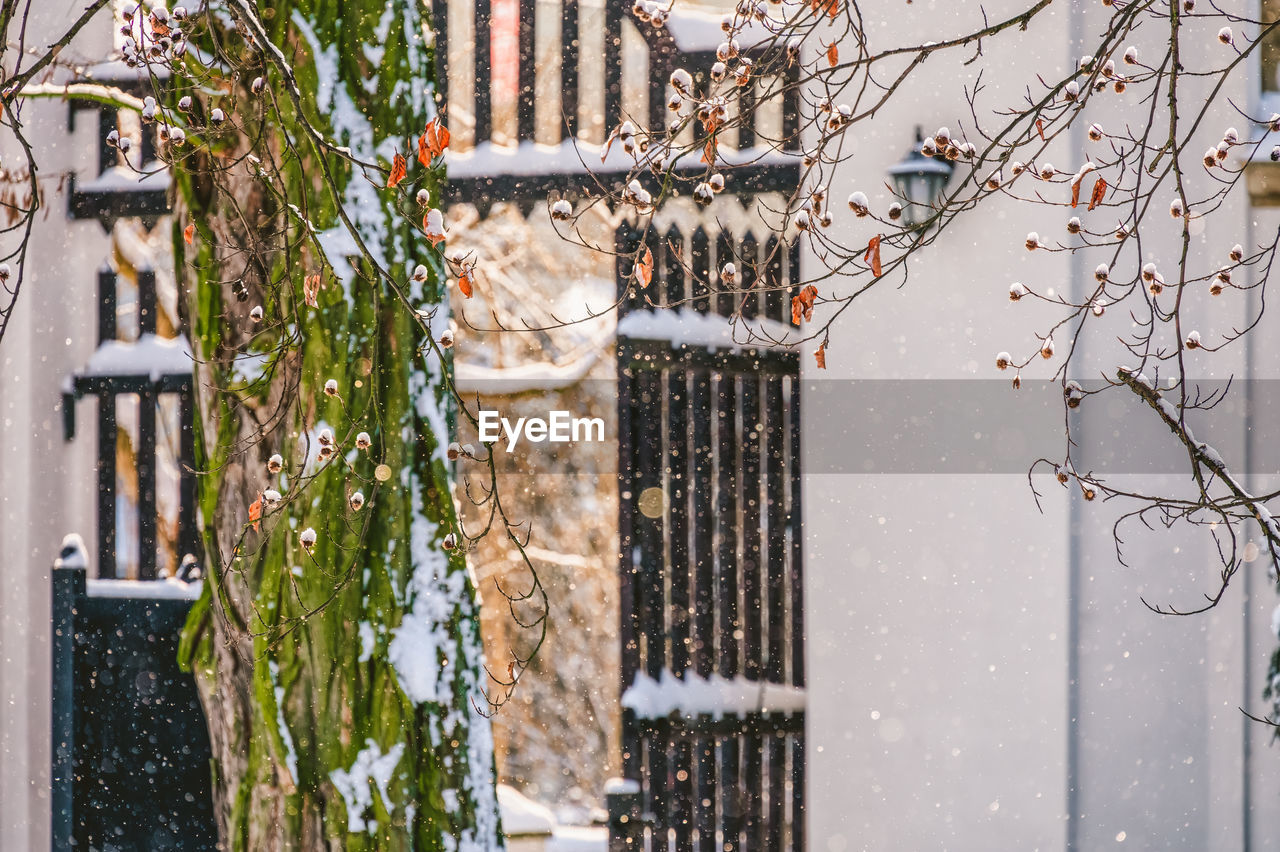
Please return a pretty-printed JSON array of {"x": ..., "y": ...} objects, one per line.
[
  {"x": 1236, "y": 253},
  {"x": 716, "y": 182},
  {"x": 702, "y": 193},
  {"x": 1215, "y": 288},
  {"x": 1016, "y": 291},
  {"x": 326, "y": 452},
  {"x": 307, "y": 538},
  {"x": 184, "y": 103},
  {"x": 1193, "y": 340},
  {"x": 125, "y": 145},
  {"x": 1095, "y": 132},
  {"x": 1211, "y": 157},
  {"x": 179, "y": 49},
  {"x": 1131, "y": 55},
  {"x": 113, "y": 138},
  {"x": 858, "y": 204},
  {"x": 1017, "y": 168},
  {"x": 275, "y": 464},
  {"x": 1109, "y": 68},
  {"x": 1073, "y": 225},
  {"x": 1099, "y": 307},
  {"x": 453, "y": 451},
  {"x": 258, "y": 85},
  {"x": 148, "y": 109},
  {"x": 357, "y": 501},
  {"x": 718, "y": 70},
  {"x": 802, "y": 220},
  {"x": 423, "y": 197},
  {"x": 942, "y": 137},
  {"x": 446, "y": 339},
  {"x": 331, "y": 387},
  {"x": 1232, "y": 136},
  {"x": 1149, "y": 272},
  {"x": 681, "y": 81},
  {"x": 1275, "y": 153},
  {"x": 675, "y": 102},
  {"x": 968, "y": 150},
  {"x": 728, "y": 273},
  {"x": 726, "y": 23},
  {"x": 1102, "y": 272},
  {"x": 1017, "y": 380},
  {"x": 1156, "y": 287},
  {"x": 420, "y": 273},
  {"x": 1046, "y": 348},
  {"x": 179, "y": 13},
  {"x": 1175, "y": 208},
  {"x": 825, "y": 219},
  {"x": 1085, "y": 62},
  {"x": 1273, "y": 124},
  {"x": 640, "y": 10},
  {"x": 468, "y": 451},
  {"x": 162, "y": 133},
  {"x": 993, "y": 180},
  {"x": 256, "y": 313},
  {"x": 1071, "y": 91},
  {"x": 895, "y": 211},
  {"x": 450, "y": 542},
  {"x": 1225, "y": 36},
  {"x": 363, "y": 441},
  {"x": 1047, "y": 171},
  {"x": 952, "y": 152},
  {"x": 1003, "y": 360},
  {"x": 271, "y": 497},
  {"x": 929, "y": 148},
  {"x": 217, "y": 116},
  {"x": 1033, "y": 241},
  {"x": 177, "y": 136},
  {"x": 325, "y": 438},
  {"x": 1073, "y": 393},
  {"x": 1224, "y": 275},
  {"x": 659, "y": 18}
]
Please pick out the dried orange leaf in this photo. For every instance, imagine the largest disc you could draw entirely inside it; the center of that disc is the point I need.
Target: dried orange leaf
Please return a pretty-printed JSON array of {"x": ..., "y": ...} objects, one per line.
[
  {"x": 1075, "y": 193},
  {"x": 464, "y": 284},
  {"x": 873, "y": 255},
  {"x": 399, "y": 168},
  {"x": 833, "y": 55},
  {"x": 1040, "y": 128},
  {"x": 709, "y": 153},
  {"x": 424, "y": 151},
  {"x": 255, "y": 511},
  {"x": 820, "y": 355},
  {"x": 189, "y": 233},
  {"x": 310, "y": 289},
  {"x": 644, "y": 269},
  {"x": 1099, "y": 191}
]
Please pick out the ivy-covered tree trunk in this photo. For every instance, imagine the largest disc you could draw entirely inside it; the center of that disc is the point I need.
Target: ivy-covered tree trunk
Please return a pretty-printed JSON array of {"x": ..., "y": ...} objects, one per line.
[{"x": 341, "y": 681}]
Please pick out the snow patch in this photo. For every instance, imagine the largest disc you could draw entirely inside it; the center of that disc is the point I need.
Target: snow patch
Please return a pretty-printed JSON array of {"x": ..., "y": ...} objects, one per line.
[
  {"x": 148, "y": 356},
  {"x": 291, "y": 753},
  {"x": 522, "y": 815},
  {"x": 717, "y": 696},
  {"x": 371, "y": 767},
  {"x": 689, "y": 327},
  {"x": 169, "y": 588}
]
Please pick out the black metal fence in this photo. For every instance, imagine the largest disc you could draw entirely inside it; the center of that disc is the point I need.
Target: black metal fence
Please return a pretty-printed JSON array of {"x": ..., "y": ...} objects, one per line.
[
  {"x": 131, "y": 759},
  {"x": 711, "y": 580}
]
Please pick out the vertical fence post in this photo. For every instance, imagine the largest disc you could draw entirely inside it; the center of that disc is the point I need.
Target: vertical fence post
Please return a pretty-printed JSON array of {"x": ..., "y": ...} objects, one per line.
[
  {"x": 68, "y": 587},
  {"x": 626, "y": 819}
]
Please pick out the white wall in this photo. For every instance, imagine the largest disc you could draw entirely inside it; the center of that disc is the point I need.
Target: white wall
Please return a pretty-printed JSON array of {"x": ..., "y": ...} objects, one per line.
[
  {"x": 47, "y": 487},
  {"x": 942, "y": 609}
]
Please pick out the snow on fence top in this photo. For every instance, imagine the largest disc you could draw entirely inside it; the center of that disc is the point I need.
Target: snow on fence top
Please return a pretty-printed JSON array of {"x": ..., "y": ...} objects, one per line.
[
  {"x": 714, "y": 696},
  {"x": 148, "y": 356},
  {"x": 531, "y": 159},
  {"x": 689, "y": 327},
  {"x": 170, "y": 588}
]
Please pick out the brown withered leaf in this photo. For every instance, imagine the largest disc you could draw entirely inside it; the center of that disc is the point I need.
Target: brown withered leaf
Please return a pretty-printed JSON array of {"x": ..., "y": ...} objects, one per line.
[
  {"x": 873, "y": 255},
  {"x": 820, "y": 355},
  {"x": 189, "y": 233},
  {"x": 644, "y": 268},
  {"x": 833, "y": 55},
  {"x": 1099, "y": 192},
  {"x": 399, "y": 168}
]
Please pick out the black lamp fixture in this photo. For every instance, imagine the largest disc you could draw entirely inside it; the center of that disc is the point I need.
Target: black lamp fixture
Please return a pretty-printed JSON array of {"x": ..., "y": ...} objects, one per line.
[{"x": 920, "y": 182}]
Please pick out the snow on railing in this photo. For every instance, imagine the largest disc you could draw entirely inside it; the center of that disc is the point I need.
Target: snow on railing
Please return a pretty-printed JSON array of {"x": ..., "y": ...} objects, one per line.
[
  {"x": 685, "y": 327},
  {"x": 148, "y": 356},
  {"x": 716, "y": 696}
]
